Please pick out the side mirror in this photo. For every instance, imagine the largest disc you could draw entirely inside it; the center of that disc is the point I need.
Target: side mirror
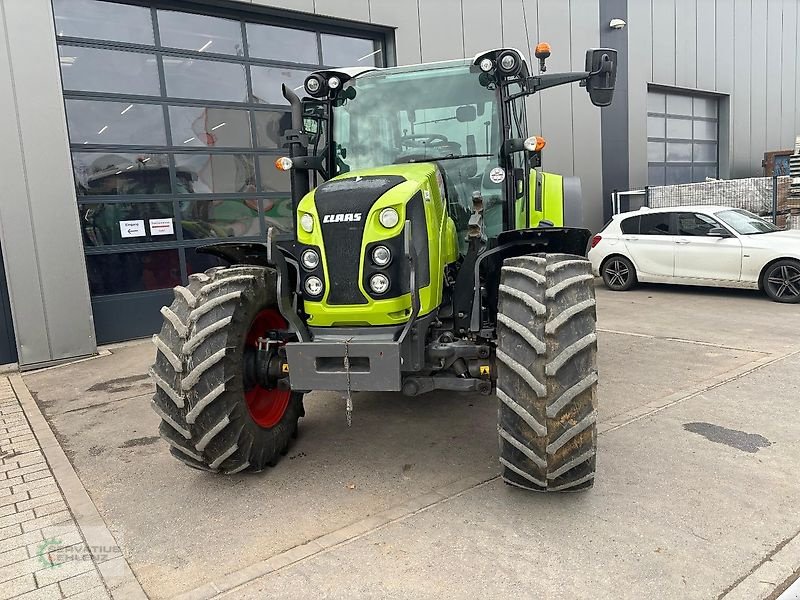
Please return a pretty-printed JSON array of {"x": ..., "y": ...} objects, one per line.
[
  {"x": 601, "y": 63},
  {"x": 720, "y": 232},
  {"x": 466, "y": 113}
]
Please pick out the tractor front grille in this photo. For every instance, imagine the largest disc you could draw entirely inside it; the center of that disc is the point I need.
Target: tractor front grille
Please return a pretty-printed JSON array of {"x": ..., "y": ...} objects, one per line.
[{"x": 345, "y": 204}]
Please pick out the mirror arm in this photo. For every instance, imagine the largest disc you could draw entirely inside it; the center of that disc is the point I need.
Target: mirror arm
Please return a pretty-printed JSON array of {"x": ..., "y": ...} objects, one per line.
[{"x": 538, "y": 83}]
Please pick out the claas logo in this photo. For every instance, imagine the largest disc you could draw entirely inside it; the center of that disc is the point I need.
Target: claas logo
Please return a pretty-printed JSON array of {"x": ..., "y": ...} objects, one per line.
[{"x": 342, "y": 218}]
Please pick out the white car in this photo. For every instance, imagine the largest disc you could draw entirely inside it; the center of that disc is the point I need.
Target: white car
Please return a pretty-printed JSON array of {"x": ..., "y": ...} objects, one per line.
[{"x": 698, "y": 245}]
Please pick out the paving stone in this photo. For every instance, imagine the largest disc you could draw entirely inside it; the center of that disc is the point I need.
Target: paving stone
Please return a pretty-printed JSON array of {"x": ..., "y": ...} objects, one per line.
[
  {"x": 26, "y": 515},
  {"x": 51, "y": 592},
  {"x": 20, "y": 568},
  {"x": 7, "y": 510},
  {"x": 14, "y": 499},
  {"x": 81, "y": 562},
  {"x": 10, "y": 531},
  {"x": 41, "y": 474},
  {"x": 14, "y": 587},
  {"x": 97, "y": 593},
  {"x": 22, "y": 540},
  {"x": 31, "y": 485},
  {"x": 11, "y": 556},
  {"x": 51, "y": 488},
  {"x": 38, "y": 501},
  {"x": 7, "y": 484},
  {"x": 52, "y": 543},
  {"x": 58, "y": 517},
  {"x": 81, "y": 583},
  {"x": 29, "y": 470},
  {"x": 49, "y": 509}
]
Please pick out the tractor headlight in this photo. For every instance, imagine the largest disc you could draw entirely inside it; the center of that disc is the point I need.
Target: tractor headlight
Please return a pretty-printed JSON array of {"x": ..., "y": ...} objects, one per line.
[
  {"x": 315, "y": 85},
  {"x": 509, "y": 63},
  {"x": 334, "y": 82},
  {"x": 310, "y": 259},
  {"x": 307, "y": 223},
  {"x": 379, "y": 283},
  {"x": 486, "y": 65},
  {"x": 313, "y": 286},
  {"x": 381, "y": 256},
  {"x": 389, "y": 218}
]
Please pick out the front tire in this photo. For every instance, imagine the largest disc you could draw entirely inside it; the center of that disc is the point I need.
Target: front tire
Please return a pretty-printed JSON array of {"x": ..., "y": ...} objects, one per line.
[
  {"x": 619, "y": 274},
  {"x": 547, "y": 373},
  {"x": 782, "y": 281},
  {"x": 207, "y": 417}
]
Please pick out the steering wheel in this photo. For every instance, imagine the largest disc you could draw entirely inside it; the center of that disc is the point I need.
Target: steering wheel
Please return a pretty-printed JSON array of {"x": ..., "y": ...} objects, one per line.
[{"x": 424, "y": 140}]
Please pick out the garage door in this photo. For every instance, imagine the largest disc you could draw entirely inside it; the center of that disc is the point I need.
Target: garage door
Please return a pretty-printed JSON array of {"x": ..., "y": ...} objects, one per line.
[
  {"x": 682, "y": 137},
  {"x": 174, "y": 121}
]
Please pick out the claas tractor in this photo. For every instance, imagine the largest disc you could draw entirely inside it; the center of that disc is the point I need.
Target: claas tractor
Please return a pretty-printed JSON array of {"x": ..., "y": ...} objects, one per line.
[{"x": 429, "y": 252}]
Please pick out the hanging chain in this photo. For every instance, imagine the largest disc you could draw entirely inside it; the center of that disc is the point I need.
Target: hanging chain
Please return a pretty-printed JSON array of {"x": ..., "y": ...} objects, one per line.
[{"x": 349, "y": 401}]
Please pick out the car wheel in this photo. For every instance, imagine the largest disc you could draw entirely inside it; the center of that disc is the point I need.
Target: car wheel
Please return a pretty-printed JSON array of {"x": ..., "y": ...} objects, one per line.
[
  {"x": 782, "y": 281},
  {"x": 618, "y": 273}
]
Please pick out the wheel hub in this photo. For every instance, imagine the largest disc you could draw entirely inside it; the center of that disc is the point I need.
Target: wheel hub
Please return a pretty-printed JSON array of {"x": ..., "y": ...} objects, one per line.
[
  {"x": 617, "y": 273},
  {"x": 266, "y": 401},
  {"x": 785, "y": 282}
]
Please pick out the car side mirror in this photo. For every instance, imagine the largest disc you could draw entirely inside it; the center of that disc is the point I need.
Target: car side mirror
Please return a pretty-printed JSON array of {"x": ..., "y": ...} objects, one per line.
[
  {"x": 720, "y": 232},
  {"x": 601, "y": 63}
]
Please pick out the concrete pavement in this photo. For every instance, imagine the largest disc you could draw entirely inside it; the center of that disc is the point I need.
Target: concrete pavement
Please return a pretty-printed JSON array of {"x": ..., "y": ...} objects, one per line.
[{"x": 696, "y": 483}]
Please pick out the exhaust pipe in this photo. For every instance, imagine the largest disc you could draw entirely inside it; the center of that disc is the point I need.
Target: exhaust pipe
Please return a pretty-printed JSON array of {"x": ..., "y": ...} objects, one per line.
[{"x": 297, "y": 143}]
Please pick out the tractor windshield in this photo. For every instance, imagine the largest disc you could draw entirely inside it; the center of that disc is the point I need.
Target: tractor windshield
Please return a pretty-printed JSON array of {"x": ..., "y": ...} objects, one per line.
[{"x": 439, "y": 112}]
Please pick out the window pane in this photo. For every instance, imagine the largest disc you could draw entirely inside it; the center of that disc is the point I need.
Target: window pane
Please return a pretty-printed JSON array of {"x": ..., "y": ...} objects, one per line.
[
  {"x": 200, "y": 32},
  {"x": 679, "y": 105},
  {"x": 278, "y": 213},
  {"x": 267, "y": 83},
  {"x": 656, "y": 127},
  {"x": 115, "y": 71},
  {"x": 197, "y": 262},
  {"x": 656, "y": 152},
  {"x": 705, "y": 153},
  {"x": 214, "y": 174},
  {"x": 677, "y": 175},
  {"x": 694, "y": 224},
  {"x": 655, "y": 175},
  {"x": 701, "y": 172},
  {"x": 132, "y": 271},
  {"x": 94, "y": 122},
  {"x": 118, "y": 174},
  {"x": 341, "y": 51},
  {"x": 630, "y": 226},
  {"x": 272, "y": 180},
  {"x": 679, "y": 152},
  {"x": 705, "y": 130},
  {"x": 655, "y": 224},
  {"x": 281, "y": 43},
  {"x": 705, "y": 107},
  {"x": 209, "y": 126},
  {"x": 105, "y": 224},
  {"x": 219, "y": 218},
  {"x": 270, "y": 126},
  {"x": 679, "y": 128},
  {"x": 656, "y": 102},
  {"x": 103, "y": 21},
  {"x": 205, "y": 79}
]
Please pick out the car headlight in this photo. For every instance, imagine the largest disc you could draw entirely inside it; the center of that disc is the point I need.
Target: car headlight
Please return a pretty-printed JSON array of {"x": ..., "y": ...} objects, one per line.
[
  {"x": 379, "y": 283},
  {"x": 381, "y": 256},
  {"x": 313, "y": 286},
  {"x": 389, "y": 218},
  {"x": 310, "y": 259},
  {"x": 307, "y": 222}
]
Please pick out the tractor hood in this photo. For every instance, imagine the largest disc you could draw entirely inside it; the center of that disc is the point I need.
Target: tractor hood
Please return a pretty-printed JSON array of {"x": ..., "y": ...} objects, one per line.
[{"x": 341, "y": 220}]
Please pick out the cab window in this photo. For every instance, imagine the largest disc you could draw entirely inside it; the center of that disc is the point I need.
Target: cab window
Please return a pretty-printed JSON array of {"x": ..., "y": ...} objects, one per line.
[
  {"x": 655, "y": 224},
  {"x": 695, "y": 224},
  {"x": 630, "y": 226}
]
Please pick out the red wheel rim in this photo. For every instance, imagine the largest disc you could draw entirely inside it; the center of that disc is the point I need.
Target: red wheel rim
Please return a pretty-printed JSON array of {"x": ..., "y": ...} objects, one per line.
[{"x": 266, "y": 406}]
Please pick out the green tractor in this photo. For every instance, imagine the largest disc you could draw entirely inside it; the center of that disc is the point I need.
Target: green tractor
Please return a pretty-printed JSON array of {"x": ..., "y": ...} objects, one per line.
[{"x": 429, "y": 252}]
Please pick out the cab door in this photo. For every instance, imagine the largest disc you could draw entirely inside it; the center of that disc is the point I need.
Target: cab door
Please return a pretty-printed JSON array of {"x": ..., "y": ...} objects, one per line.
[
  {"x": 653, "y": 247},
  {"x": 703, "y": 257}
]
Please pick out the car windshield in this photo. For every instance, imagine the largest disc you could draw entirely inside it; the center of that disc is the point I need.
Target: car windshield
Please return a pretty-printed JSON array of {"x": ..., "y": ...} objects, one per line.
[{"x": 744, "y": 222}]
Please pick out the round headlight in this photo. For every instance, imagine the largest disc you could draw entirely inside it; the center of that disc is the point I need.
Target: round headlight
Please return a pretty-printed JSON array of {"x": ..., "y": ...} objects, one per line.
[
  {"x": 310, "y": 259},
  {"x": 307, "y": 223},
  {"x": 379, "y": 283},
  {"x": 313, "y": 286},
  {"x": 314, "y": 85},
  {"x": 389, "y": 218},
  {"x": 381, "y": 256},
  {"x": 508, "y": 62},
  {"x": 486, "y": 65},
  {"x": 334, "y": 82}
]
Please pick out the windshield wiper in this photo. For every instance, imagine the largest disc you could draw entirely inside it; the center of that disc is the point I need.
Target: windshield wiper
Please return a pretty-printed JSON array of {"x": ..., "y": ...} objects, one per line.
[{"x": 451, "y": 157}]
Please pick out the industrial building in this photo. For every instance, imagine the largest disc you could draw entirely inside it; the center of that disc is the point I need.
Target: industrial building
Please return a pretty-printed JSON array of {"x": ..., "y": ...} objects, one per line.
[{"x": 137, "y": 131}]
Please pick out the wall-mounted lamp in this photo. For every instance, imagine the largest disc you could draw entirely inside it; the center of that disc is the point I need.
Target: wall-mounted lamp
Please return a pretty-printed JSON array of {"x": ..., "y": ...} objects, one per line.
[{"x": 617, "y": 24}]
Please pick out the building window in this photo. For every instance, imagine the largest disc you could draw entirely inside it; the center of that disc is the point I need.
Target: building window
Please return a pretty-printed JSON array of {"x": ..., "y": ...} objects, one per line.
[
  {"x": 682, "y": 137},
  {"x": 174, "y": 122}
]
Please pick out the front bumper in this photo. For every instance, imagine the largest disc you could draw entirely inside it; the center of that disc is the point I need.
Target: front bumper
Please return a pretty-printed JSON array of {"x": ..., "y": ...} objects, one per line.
[{"x": 374, "y": 365}]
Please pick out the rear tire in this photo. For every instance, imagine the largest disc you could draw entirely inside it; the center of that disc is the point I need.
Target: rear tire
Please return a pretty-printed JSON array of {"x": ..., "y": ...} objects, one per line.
[
  {"x": 619, "y": 274},
  {"x": 547, "y": 373},
  {"x": 199, "y": 370}
]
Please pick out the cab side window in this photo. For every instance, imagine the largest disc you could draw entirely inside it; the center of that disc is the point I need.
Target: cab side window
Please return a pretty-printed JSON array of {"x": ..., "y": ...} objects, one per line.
[
  {"x": 695, "y": 224},
  {"x": 630, "y": 226},
  {"x": 655, "y": 224}
]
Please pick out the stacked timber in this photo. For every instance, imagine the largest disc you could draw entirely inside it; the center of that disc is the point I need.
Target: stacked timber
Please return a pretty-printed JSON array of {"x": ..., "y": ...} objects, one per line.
[{"x": 794, "y": 192}]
